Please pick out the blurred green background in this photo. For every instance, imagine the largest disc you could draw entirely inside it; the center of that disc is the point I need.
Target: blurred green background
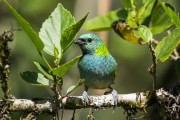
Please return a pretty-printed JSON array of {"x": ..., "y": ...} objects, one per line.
[{"x": 133, "y": 60}]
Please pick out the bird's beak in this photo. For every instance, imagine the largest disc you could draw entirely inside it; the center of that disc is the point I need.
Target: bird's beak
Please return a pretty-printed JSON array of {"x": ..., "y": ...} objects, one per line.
[{"x": 79, "y": 42}]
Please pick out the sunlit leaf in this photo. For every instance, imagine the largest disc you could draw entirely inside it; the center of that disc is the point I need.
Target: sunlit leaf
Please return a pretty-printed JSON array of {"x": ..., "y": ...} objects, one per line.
[
  {"x": 27, "y": 28},
  {"x": 145, "y": 33},
  {"x": 69, "y": 33},
  {"x": 105, "y": 22},
  {"x": 174, "y": 17},
  {"x": 73, "y": 87},
  {"x": 166, "y": 46},
  {"x": 132, "y": 19},
  {"x": 145, "y": 10},
  {"x": 160, "y": 20},
  {"x": 35, "y": 78},
  {"x": 52, "y": 29},
  {"x": 44, "y": 70},
  {"x": 62, "y": 69}
]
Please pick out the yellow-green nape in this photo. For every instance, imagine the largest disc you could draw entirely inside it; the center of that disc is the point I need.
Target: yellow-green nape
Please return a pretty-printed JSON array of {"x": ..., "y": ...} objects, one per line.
[{"x": 102, "y": 50}]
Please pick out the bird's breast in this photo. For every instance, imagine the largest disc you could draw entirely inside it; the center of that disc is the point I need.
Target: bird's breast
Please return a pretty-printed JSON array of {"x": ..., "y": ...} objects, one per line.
[{"x": 98, "y": 71}]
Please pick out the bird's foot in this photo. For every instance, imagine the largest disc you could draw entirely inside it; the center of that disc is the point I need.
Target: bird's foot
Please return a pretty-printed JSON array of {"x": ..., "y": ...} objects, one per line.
[
  {"x": 86, "y": 98},
  {"x": 115, "y": 96}
]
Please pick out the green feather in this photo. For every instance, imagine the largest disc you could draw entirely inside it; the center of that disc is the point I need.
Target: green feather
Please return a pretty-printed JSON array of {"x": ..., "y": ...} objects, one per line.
[{"x": 102, "y": 50}]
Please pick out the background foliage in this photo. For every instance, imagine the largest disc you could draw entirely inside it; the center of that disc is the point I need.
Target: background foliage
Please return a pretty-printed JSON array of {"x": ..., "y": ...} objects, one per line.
[{"x": 133, "y": 61}]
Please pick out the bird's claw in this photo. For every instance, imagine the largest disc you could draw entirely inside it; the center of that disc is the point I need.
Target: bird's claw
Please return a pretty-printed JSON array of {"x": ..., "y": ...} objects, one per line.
[
  {"x": 115, "y": 96},
  {"x": 86, "y": 98}
]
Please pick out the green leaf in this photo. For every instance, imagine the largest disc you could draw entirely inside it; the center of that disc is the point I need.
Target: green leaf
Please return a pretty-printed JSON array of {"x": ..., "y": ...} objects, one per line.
[
  {"x": 105, "y": 22},
  {"x": 69, "y": 33},
  {"x": 166, "y": 46},
  {"x": 144, "y": 33},
  {"x": 138, "y": 14},
  {"x": 61, "y": 70},
  {"x": 127, "y": 4},
  {"x": 145, "y": 10},
  {"x": 52, "y": 29},
  {"x": 174, "y": 17},
  {"x": 35, "y": 78},
  {"x": 160, "y": 20},
  {"x": 27, "y": 28},
  {"x": 73, "y": 87},
  {"x": 44, "y": 70},
  {"x": 131, "y": 19}
]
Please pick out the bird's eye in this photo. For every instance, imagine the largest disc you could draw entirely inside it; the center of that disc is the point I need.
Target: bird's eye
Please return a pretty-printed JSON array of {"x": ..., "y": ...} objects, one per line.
[{"x": 89, "y": 40}]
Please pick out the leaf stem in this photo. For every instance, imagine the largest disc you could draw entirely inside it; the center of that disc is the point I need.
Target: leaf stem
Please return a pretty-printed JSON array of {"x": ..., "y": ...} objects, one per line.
[{"x": 44, "y": 59}]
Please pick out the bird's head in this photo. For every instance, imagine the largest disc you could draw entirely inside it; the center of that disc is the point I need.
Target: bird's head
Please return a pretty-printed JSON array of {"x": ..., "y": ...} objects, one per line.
[{"x": 89, "y": 43}]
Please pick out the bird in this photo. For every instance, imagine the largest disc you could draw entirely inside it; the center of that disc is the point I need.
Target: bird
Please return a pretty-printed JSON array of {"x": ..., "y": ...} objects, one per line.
[{"x": 96, "y": 66}]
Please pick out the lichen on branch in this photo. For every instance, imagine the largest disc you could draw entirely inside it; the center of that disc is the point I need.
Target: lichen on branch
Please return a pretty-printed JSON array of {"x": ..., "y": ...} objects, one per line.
[{"x": 167, "y": 98}]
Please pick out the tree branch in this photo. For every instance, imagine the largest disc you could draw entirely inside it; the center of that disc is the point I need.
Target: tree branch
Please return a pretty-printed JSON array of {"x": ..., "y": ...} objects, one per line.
[
  {"x": 168, "y": 99},
  {"x": 138, "y": 100}
]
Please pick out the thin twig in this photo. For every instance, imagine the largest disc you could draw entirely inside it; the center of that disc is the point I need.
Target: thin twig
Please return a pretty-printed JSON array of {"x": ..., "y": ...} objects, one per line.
[
  {"x": 73, "y": 117},
  {"x": 54, "y": 88},
  {"x": 175, "y": 55},
  {"x": 153, "y": 68},
  {"x": 4, "y": 61},
  {"x": 5, "y": 38},
  {"x": 90, "y": 115}
]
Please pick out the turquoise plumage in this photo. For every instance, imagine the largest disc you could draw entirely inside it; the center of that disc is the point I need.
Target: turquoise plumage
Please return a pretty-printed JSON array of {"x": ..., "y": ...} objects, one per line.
[
  {"x": 96, "y": 66},
  {"x": 98, "y": 71}
]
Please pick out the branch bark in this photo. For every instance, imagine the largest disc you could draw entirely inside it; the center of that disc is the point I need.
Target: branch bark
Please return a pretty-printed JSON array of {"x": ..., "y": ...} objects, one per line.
[
  {"x": 75, "y": 102},
  {"x": 169, "y": 99},
  {"x": 139, "y": 100}
]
